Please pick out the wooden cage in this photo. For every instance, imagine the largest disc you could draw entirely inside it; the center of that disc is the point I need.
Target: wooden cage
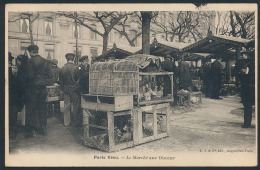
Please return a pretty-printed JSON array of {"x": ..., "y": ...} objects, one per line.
[{"x": 113, "y": 131}]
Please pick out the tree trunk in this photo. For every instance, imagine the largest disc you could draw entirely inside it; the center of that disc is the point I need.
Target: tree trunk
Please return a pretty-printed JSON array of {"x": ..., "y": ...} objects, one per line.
[
  {"x": 30, "y": 31},
  {"x": 146, "y": 19},
  {"x": 233, "y": 31},
  {"x": 105, "y": 41}
]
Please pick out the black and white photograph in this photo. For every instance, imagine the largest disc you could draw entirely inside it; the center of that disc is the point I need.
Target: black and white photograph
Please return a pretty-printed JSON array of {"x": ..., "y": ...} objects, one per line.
[{"x": 101, "y": 85}]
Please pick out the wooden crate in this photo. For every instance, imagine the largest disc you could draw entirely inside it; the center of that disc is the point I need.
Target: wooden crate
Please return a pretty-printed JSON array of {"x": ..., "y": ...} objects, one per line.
[
  {"x": 187, "y": 98},
  {"x": 143, "y": 126},
  {"x": 107, "y": 103},
  {"x": 159, "y": 83},
  {"x": 105, "y": 136}
]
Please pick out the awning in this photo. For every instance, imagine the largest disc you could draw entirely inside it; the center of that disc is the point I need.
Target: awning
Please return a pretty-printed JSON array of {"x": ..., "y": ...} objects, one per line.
[
  {"x": 163, "y": 48},
  {"x": 197, "y": 56},
  {"x": 215, "y": 44},
  {"x": 119, "y": 52}
]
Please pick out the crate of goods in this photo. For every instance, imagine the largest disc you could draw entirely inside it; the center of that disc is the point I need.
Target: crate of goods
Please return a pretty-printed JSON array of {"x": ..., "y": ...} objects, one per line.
[
  {"x": 151, "y": 122},
  {"x": 108, "y": 131},
  {"x": 54, "y": 93},
  {"x": 113, "y": 131},
  {"x": 107, "y": 103},
  {"x": 154, "y": 88},
  {"x": 113, "y": 78},
  {"x": 186, "y": 98}
]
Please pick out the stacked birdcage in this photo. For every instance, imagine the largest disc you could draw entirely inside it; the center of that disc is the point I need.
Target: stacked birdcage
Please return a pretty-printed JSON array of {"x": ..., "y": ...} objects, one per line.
[{"x": 113, "y": 78}]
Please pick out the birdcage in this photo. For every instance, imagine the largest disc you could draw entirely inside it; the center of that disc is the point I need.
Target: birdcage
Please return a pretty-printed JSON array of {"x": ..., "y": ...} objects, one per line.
[
  {"x": 113, "y": 78},
  {"x": 113, "y": 131},
  {"x": 154, "y": 87},
  {"x": 108, "y": 131}
]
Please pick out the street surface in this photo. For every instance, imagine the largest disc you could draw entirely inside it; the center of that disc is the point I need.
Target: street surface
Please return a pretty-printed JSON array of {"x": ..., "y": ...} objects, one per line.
[{"x": 214, "y": 125}]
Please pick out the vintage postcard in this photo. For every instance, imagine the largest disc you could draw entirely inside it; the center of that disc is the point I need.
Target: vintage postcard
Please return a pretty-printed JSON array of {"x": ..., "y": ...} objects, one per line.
[{"x": 109, "y": 85}]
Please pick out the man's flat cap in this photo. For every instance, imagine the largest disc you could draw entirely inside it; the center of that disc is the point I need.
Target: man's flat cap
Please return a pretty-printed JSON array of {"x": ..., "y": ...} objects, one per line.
[
  {"x": 54, "y": 61},
  {"x": 83, "y": 58},
  {"x": 33, "y": 48},
  {"x": 70, "y": 56}
]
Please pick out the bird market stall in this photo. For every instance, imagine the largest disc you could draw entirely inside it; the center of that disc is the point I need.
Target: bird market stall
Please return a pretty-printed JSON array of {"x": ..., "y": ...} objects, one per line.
[{"x": 125, "y": 105}]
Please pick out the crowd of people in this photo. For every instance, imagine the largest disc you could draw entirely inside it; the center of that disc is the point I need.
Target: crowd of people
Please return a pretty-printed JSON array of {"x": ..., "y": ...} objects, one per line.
[
  {"x": 27, "y": 87},
  {"x": 28, "y": 81}
]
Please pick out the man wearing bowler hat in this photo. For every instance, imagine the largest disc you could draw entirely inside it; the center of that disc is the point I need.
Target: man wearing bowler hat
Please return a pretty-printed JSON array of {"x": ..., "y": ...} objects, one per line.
[{"x": 39, "y": 77}]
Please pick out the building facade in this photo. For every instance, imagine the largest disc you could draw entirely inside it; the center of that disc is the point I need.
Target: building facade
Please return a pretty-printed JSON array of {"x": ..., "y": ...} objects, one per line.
[{"x": 55, "y": 37}]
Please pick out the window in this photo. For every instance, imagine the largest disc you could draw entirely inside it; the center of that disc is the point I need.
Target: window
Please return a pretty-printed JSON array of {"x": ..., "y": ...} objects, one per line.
[
  {"x": 49, "y": 51},
  {"x": 76, "y": 32},
  {"x": 93, "y": 35},
  {"x": 79, "y": 50},
  {"x": 93, "y": 51},
  {"x": 48, "y": 28},
  {"x": 24, "y": 25}
]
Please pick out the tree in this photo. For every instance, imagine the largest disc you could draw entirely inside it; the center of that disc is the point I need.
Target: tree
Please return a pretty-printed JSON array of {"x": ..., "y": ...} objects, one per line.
[
  {"x": 107, "y": 19},
  {"x": 121, "y": 27},
  {"x": 182, "y": 24},
  {"x": 31, "y": 17},
  {"x": 236, "y": 24}
]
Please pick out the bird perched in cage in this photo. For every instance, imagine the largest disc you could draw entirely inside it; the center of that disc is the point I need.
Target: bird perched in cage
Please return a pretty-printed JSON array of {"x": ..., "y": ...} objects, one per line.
[
  {"x": 148, "y": 92},
  {"x": 148, "y": 127},
  {"x": 160, "y": 92}
]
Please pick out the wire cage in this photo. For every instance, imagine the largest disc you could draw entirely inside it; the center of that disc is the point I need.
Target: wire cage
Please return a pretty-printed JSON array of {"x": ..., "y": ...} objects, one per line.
[
  {"x": 154, "y": 87},
  {"x": 113, "y": 78}
]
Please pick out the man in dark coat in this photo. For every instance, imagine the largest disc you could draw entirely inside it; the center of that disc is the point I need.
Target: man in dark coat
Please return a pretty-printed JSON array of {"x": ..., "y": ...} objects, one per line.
[
  {"x": 22, "y": 61},
  {"x": 244, "y": 68},
  {"x": 69, "y": 80},
  {"x": 207, "y": 77},
  {"x": 185, "y": 81},
  {"x": 38, "y": 78},
  {"x": 84, "y": 74},
  {"x": 216, "y": 76},
  {"x": 55, "y": 73},
  {"x": 12, "y": 98},
  {"x": 169, "y": 66}
]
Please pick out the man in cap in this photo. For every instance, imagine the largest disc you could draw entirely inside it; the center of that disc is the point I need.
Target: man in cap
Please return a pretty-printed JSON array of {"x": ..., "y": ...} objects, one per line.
[
  {"x": 69, "y": 79},
  {"x": 55, "y": 73},
  {"x": 183, "y": 73},
  {"x": 245, "y": 71},
  {"x": 216, "y": 76},
  {"x": 84, "y": 74},
  {"x": 38, "y": 78}
]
